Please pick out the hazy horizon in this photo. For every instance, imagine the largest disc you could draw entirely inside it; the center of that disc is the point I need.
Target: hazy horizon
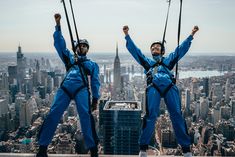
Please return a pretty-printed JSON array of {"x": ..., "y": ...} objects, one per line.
[{"x": 127, "y": 53}]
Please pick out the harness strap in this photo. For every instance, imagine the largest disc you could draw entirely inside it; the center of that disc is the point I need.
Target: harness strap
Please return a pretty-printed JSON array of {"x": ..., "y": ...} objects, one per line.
[
  {"x": 158, "y": 89},
  {"x": 78, "y": 90},
  {"x": 84, "y": 75},
  {"x": 82, "y": 71},
  {"x": 162, "y": 94},
  {"x": 167, "y": 89},
  {"x": 81, "y": 68},
  {"x": 67, "y": 92},
  {"x": 72, "y": 96}
]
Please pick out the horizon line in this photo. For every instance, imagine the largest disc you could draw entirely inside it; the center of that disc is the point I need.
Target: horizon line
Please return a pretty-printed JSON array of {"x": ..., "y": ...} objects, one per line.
[{"x": 98, "y": 52}]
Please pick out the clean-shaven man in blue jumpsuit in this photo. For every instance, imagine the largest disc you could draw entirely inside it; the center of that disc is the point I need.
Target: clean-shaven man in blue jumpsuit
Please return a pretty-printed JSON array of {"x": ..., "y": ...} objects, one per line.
[
  {"x": 161, "y": 84},
  {"x": 74, "y": 86}
]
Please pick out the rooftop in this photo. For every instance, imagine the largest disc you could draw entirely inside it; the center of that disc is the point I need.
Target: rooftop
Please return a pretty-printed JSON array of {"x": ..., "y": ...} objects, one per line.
[
  {"x": 63, "y": 155},
  {"x": 66, "y": 155},
  {"x": 123, "y": 105}
]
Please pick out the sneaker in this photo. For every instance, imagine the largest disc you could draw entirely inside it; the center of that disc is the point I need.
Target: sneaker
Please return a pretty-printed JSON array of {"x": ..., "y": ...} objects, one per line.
[
  {"x": 42, "y": 152},
  {"x": 143, "y": 154},
  {"x": 94, "y": 152},
  {"x": 189, "y": 154}
]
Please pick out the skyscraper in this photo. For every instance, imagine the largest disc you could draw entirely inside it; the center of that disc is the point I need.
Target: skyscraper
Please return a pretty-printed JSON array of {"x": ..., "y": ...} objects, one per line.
[
  {"x": 116, "y": 74},
  {"x": 217, "y": 92},
  {"x": 228, "y": 90},
  {"x": 28, "y": 86},
  {"x": 215, "y": 115},
  {"x": 132, "y": 69},
  {"x": 4, "y": 85},
  {"x": 197, "y": 109},
  {"x": 38, "y": 79},
  {"x": 44, "y": 75},
  {"x": 3, "y": 106},
  {"x": 168, "y": 138},
  {"x": 122, "y": 122},
  {"x": 50, "y": 84},
  {"x": 102, "y": 102},
  {"x": 194, "y": 89},
  {"x": 232, "y": 104},
  {"x": 187, "y": 100},
  {"x": 21, "y": 66},
  {"x": 225, "y": 112},
  {"x": 206, "y": 86},
  {"x": 27, "y": 108},
  {"x": 204, "y": 107},
  {"x": 12, "y": 72}
]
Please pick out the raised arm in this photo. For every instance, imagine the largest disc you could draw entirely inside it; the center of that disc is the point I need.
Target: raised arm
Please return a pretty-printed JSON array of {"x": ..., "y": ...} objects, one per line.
[
  {"x": 180, "y": 51},
  {"x": 59, "y": 42},
  {"x": 135, "y": 51}
]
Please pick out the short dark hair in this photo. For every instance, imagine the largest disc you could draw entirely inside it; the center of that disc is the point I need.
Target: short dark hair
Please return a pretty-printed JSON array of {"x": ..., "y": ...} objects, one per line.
[{"x": 159, "y": 43}]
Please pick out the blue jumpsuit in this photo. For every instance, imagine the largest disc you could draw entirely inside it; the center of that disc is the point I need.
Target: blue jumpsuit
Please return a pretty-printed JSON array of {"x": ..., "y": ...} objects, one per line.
[
  {"x": 72, "y": 82},
  {"x": 162, "y": 79}
]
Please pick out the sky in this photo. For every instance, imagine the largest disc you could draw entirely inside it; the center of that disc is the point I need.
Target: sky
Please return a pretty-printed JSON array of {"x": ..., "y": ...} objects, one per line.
[{"x": 30, "y": 23}]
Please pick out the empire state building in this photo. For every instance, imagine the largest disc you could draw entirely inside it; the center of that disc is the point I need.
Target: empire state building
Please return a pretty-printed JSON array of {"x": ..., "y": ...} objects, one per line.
[{"x": 117, "y": 74}]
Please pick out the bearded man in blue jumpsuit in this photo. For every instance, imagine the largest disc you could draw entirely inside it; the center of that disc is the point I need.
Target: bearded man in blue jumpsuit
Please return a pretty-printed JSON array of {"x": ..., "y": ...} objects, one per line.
[
  {"x": 161, "y": 84},
  {"x": 75, "y": 86}
]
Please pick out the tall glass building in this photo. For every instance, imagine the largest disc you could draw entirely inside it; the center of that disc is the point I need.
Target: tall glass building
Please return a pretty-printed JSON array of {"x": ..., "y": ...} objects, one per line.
[{"x": 122, "y": 122}]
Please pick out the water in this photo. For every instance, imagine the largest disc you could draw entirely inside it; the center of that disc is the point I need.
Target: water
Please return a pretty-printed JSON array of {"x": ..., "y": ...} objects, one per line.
[
  {"x": 186, "y": 74},
  {"x": 199, "y": 73}
]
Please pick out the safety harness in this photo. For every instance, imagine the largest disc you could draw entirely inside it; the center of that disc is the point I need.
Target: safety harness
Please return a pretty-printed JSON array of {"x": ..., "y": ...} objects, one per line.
[
  {"x": 84, "y": 73},
  {"x": 78, "y": 62},
  {"x": 150, "y": 74},
  {"x": 148, "y": 68}
]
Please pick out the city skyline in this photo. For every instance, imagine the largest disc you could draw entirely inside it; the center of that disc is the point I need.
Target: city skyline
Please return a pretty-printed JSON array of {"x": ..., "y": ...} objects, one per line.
[
  {"x": 208, "y": 110},
  {"x": 32, "y": 24}
]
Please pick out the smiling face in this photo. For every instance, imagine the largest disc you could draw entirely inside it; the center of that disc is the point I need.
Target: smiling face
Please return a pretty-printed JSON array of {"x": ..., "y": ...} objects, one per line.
[{"x": 156, "y": 49}]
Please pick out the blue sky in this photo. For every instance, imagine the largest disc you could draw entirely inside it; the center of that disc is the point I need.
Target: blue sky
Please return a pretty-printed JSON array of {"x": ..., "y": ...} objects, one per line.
[{"x": 31, "y": 23}]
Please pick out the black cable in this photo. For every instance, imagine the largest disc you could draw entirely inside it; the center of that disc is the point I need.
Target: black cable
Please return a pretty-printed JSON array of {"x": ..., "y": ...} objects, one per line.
[
  {"x": 178, "y": 39},
  {"x": 164, "y": 34},
  {"x": 75, "y": 26},
  {"x": 70, "y": 31}
]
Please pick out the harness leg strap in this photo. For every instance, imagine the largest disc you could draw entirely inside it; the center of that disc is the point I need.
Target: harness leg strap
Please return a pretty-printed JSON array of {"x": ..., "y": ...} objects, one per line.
[
  {"x": 158, "y": 89},
  {"x": 78, "y": 90},
  {"x": 67, "y": 92},
  {"x": 162, "y": 94},
  {"x": 167, "y": 89}
]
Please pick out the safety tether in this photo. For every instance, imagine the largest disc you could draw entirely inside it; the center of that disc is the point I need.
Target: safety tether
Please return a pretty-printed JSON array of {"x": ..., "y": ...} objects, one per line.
[
  {"x": 178, "y": 39},
  {"x": 69, "y": 26},
  {"x": 75, "y": 26},
  {"x": 73, "y": 44},
  {"x": 164, "y": 34}
]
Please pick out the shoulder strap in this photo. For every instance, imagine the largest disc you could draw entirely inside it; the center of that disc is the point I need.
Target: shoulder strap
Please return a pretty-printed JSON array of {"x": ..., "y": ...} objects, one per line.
[
  {"x": 84, "y": 74},
  {"x": 66, "y": 62},
  {"x": 81, "y": 68},
  {"x": 159, "y": 62}
]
